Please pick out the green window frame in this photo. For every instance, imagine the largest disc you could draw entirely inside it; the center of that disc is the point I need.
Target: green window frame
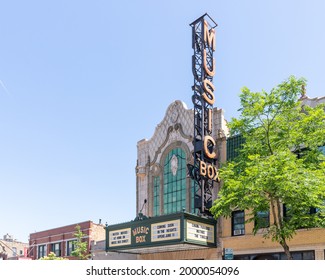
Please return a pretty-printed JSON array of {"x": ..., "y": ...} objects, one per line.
[
  {"x": 234, "y": 144},
  {"x": 174, "y": 188},
  {"x": 156, "y": 196}
]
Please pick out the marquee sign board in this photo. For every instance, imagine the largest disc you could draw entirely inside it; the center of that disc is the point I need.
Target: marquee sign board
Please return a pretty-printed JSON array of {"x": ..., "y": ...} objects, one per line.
[
  {"x": 173, "y": 229},
  {"x": 165, "y": 231},
  {"x": 200, "y": 231},
  {"x": 120, "y": 237},
  {"x": 204, "y": 171}
]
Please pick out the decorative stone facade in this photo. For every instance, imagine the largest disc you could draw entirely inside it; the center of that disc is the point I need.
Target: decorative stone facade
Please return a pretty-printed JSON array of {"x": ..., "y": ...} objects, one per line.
[
  {"x": 174, "y": 131},
  {"x": 312, "y": 102}
]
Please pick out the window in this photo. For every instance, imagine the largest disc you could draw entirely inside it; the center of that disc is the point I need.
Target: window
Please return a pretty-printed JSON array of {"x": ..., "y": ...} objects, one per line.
[
  {"x": 14, "y": 251},
  {"x": 70, "y": 247},
  {"x": 322, "y": 149},
  {"x": 156, "y": 196},
  {"x": 174, "y": 181},
  {"x": 41, "y": 251},
  {"x": 234, "y": 144},
  {"x": 262, "y": 219},
  {"x": 286, "y": 213},
  {"x": 56, "y": 249},
  {"x": 318, "y": 210},
  {"x": 238, "y": 223},
  {"x": 303, "y": 223},
  {"x": 298, "y": 255}
]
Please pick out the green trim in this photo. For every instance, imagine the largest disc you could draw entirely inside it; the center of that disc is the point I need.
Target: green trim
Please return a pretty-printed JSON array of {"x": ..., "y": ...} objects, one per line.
[
  {"x": 182, "y": 227},
  {"x": 174, "y": 184},
  {"x": 107, "y": 238},
  {"x": 234, "y": 144}
]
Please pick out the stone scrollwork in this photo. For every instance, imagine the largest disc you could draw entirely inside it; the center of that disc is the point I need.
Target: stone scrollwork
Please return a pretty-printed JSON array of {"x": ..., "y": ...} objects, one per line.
[
  {"x": 174, "y": 114},
  {"x": 155, "y": 169}
]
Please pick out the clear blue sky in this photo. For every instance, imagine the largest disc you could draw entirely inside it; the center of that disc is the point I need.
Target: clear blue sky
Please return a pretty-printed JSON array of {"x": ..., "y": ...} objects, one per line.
[{"x": 82, "y": 81}]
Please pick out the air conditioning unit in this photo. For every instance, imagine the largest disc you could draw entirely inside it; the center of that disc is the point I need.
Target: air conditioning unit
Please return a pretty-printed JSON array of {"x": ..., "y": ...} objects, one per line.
[{"x": 239, "y": 232}]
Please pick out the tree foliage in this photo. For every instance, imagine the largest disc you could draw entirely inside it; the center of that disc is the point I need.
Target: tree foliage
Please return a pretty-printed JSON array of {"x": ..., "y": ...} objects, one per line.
[
  {"x": 279, "y": 163},
  {"x": 80, "y": 246},
  {"x": 51, "y": 257}
]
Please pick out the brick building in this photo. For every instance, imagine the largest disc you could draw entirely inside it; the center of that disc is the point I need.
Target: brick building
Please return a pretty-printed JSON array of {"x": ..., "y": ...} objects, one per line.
[
  {"x": 238, "y": 235},
  {"x": 60, "y": 240},
  {"x": 11, "y": 249}
]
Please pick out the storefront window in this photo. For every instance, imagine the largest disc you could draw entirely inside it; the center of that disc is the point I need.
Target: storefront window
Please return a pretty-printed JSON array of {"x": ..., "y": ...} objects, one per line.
[
  {"x": 298, "y": 255},
  {"x": 174, "y": 181}
]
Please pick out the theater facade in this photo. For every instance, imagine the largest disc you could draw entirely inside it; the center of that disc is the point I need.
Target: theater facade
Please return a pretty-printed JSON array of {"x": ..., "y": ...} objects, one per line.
[{"x": 168, "y": 225}]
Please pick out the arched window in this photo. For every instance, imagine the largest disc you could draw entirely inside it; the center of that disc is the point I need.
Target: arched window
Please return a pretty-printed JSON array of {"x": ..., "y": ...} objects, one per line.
[{"x": 174, "y": 179}]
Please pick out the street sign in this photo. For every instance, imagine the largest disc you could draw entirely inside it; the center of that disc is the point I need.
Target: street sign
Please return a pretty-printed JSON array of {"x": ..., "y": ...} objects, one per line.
[{"x": 228, "y": 254}]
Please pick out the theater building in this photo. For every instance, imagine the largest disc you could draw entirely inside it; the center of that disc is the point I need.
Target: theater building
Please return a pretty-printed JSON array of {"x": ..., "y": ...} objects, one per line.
[{"x": 167, "y": 225}]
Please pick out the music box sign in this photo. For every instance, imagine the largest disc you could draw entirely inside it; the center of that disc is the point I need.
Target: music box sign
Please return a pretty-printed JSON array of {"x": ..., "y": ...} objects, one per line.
[
  {"x": 204, "y": 69},
  {"x": 139, "y": 234},
  {"x": 129, "y": 236}
]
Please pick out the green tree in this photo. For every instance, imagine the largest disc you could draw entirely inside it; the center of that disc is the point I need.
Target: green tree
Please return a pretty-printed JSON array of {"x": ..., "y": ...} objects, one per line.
[
  {"x": 51, "y": 256},
  {"x": 80, "y": 247},
  {"x": 279, "y": 163}
]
